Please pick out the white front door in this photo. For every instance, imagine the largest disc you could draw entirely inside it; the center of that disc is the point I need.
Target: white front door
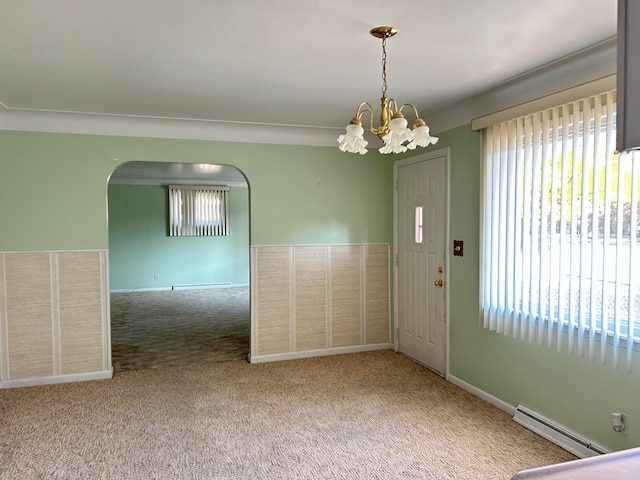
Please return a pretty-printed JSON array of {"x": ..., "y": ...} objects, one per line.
[{"x": 420, "y": 262}]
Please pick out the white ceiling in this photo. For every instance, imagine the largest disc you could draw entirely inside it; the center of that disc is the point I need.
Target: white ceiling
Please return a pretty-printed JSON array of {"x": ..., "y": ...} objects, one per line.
[
  {"x": 282, "y": 62},
  {"x": 253, "y": 64}
]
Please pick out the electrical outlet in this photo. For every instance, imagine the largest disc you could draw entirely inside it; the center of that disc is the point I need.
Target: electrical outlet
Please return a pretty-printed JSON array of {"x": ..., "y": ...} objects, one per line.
[
  {"x": 618, "y": 420},
  {"x": 156, "y": 277}
]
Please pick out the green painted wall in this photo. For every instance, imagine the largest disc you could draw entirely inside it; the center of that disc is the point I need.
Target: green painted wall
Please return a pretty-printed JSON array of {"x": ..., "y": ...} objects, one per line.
[
  {"x": 142, "y": 255},
  {"x": 573, "y": 391},
  {"x": 53, "y": 193},
  {"x": 53, "y": 189}
]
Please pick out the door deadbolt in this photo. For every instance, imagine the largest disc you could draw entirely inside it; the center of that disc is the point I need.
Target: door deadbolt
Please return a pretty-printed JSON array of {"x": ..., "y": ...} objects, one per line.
[{"x": 440, "y": 269}]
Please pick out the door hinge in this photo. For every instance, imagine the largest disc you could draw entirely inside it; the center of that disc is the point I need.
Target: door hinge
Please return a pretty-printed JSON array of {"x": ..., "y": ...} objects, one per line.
[
  {"x": 397, "y": 260},
  {"x": 396, "y": 186}
]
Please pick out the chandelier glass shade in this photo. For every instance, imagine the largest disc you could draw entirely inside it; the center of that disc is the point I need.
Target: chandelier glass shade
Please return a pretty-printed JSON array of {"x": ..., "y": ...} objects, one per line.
[{"x": 393, "y": 130}]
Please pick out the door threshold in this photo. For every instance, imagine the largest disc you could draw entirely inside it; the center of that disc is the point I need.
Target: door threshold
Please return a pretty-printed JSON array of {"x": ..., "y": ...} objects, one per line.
[{"x": 431, "y": 369}]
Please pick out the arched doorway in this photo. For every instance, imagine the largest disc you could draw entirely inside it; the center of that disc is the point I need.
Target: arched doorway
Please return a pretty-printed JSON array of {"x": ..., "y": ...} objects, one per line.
[{"x": 175, "y": 300}]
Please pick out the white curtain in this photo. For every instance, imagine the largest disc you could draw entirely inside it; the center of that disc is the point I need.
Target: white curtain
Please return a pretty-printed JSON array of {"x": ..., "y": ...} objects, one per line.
[
  {"x": 561, "y": 230},
  {"x": 198, "y": 210}
]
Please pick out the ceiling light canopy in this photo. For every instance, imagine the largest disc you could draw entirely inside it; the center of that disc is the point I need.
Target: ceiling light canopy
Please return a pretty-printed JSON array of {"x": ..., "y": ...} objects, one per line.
[{"x": 393, "y": 131}]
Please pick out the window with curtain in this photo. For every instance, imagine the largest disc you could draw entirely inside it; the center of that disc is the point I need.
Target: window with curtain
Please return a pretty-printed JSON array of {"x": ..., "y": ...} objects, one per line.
[
  {"x": 198, "y": 210},
  {"x": 561, "y": 231}
]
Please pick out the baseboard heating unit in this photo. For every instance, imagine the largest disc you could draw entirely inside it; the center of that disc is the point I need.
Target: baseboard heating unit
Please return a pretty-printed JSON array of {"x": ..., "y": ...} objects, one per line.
[
  {"x": 197, "y": 286},
  {"x": 556, "y": 433}
]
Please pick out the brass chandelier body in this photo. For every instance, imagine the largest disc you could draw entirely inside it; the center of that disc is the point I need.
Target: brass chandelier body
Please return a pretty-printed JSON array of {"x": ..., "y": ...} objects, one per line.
[{"x": 392, "y": 130}]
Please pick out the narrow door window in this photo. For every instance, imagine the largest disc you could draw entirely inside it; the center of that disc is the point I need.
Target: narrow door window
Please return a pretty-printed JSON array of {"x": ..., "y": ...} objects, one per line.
[{"x": 418, "y": 223}]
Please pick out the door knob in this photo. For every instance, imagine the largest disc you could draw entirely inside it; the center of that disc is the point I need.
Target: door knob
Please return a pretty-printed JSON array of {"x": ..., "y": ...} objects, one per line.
[{"x": 438, "y": 283}]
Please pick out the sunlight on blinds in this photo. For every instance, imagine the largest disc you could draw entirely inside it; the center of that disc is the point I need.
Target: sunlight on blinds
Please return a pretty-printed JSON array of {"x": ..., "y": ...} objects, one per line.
[
  {"x": 561, "y": 231},
  {"x": 198, "y": 210}
]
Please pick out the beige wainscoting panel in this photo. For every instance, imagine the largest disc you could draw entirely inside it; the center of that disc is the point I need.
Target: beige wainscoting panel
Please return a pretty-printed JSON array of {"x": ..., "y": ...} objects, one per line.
[
  {"x": 82, "y": 311},
  {"x": 53, "y": 317},
  {"x": 29, "y": 315},
  {"x": 376, "y": 300},
  {"x": 346, "y": 295},
  {"x": 318, "y": 298},
  {"x": 311, "y": 299},
  {"x": 272, "y": 289},
  {"x": 4, "y": 341}
]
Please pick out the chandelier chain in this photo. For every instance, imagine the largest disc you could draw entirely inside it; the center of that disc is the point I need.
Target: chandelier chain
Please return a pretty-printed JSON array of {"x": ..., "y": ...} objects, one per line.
[{"x": 384, "y": 67}]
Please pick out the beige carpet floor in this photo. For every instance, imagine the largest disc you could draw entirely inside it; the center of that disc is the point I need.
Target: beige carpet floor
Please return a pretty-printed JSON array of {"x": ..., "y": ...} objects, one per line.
[
  {"x": 177, "y": 327},
  {"x": 370, "y": 415}
]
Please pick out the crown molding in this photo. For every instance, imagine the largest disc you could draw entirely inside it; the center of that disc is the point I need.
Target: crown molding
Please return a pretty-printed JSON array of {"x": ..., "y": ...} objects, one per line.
[
  {"x": 158, "y": 127},
  {"x": 587, "y": 65}
]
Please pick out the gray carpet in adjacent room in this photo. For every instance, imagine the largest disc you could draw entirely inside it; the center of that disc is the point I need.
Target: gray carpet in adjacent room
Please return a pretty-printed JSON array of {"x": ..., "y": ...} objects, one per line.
[
  {"x": 177, "y": 327},
  {"x": 373, "y": 415}
]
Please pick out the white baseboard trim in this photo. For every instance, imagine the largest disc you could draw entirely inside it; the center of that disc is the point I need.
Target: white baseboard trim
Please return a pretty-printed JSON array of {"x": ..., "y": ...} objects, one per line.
[
  {"x": 276, "y": 357},
  {"x": 495, "y": 401},
  {"x": 546, "y": 428},
  {"x": 135, "y": 290},
  {"x": 199, "y": 286},
  {"x": 75, "y": 377}
]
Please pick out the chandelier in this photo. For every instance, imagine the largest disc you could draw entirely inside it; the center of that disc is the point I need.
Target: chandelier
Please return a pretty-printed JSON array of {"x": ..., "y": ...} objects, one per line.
[{"x": 393, "y": 131}]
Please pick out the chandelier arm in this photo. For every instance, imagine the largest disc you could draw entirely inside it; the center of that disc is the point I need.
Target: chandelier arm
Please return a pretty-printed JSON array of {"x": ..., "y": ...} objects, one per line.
[
  {"x": 369, "y": 109},
  {"x": 360, "y": 111},
  {"x": 418, "y": 122},
  {"x": 415, "y": 110},
  {"x": 394, "y": 109}
]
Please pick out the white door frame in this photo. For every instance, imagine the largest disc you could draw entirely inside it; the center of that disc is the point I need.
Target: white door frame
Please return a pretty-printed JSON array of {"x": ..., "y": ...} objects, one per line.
[{"x": 446, "y": 152}]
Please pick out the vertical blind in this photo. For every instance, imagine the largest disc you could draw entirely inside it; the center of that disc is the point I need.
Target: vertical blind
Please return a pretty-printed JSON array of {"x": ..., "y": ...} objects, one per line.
[
  {"x": 561, "y": 231},
  {"x": 198, "y": 210}
]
